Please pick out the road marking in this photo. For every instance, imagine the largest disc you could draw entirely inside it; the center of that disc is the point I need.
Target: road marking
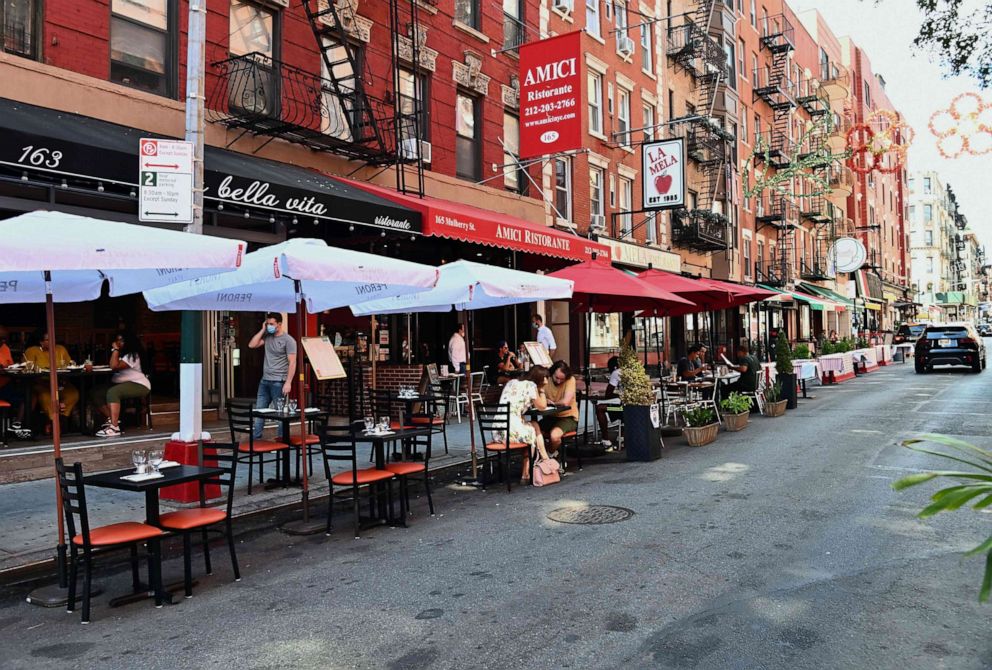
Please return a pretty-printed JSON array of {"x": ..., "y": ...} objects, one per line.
[
  {"x": 868, "y": 432},
  {"x": 955, "y": 413}
]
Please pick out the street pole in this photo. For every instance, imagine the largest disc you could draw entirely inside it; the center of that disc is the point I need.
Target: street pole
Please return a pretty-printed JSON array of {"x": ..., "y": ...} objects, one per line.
[{"x": 191, "y": 338}]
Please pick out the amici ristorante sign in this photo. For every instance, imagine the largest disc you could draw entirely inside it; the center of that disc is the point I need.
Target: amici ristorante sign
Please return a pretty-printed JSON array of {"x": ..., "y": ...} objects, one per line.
[{"x": 551, "y": 95}]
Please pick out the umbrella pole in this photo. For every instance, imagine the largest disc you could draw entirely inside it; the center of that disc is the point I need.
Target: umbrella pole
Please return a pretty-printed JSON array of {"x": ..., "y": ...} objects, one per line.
[
  {"x": 302, "y": 526},
  {"x": 474, "y": 481}
]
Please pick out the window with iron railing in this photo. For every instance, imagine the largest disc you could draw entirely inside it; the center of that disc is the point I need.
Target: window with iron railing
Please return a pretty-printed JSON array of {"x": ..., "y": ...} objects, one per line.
[
  {"x": 19, "y": 19},
  {"x": 513, "y": 25}
]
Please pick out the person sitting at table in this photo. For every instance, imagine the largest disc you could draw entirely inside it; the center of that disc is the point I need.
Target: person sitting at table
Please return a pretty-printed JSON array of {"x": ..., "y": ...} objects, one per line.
[
  {"x": 127, "y": 382},
  {"x": 749, "y": 367},
  {"x": 68, "y": 394},
  {"x": 523, "y": 394},
  {"x": 9, "y": 392},
  {"x": 561, "y": 392},
  {"x": 691, "y": 365},
  {"x": 506, "y": 362},
  {"x": 611, "y": 396}
]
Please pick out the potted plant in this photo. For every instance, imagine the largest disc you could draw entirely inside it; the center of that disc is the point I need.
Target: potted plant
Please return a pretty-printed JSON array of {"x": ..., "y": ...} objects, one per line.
[
  {"x": 736, "y": 411},
  {"x": 701, "y": 426},
  {"x": 641, "y": 423},
  {"x": 774, "y": 404},
  {"x": 801, "y": 352},
  {"x": 785, "y": 376}
]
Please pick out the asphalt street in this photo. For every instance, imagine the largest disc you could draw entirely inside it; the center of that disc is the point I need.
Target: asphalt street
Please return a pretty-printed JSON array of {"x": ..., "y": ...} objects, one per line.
[{"x": 782, "y": 546}]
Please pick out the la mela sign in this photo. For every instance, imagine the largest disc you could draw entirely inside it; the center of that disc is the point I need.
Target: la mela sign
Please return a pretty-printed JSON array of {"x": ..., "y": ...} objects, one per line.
[{"x": 663, "y": 174}]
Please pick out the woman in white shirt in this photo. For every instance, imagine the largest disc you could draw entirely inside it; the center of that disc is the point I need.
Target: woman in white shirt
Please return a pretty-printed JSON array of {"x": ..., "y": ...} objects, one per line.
[{"x": 128, "y": 382}]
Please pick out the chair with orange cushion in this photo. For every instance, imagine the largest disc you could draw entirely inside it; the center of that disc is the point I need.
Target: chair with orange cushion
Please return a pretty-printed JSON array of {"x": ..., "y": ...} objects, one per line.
[
  {"x": 494, "y": 426},
  {"x": 241, "y": 419},
  {"x": 188, "y": 521},
  {"x": 382, "y": 403},
  {"x": 436, "y": 418},
  {"x": 404, "y": 470},
  {"x": 101, "y": 540},
  {"x": 339, "y": 445},
  {"x": 570, "y": 441}
]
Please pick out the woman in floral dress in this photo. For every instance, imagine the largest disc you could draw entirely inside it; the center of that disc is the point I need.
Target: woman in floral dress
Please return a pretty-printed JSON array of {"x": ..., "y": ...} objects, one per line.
[{"x": 522, "y": 394}]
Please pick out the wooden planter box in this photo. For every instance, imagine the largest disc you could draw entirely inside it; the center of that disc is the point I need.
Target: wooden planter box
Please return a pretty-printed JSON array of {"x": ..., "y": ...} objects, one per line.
[
  {"x": 775, "y": 408},
  {"x": 736, "y": 422},
  {"x": 697, "y": 437}
]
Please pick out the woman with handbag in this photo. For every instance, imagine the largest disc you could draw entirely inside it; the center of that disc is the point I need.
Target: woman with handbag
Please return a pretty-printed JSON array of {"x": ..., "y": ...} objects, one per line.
[{"x": 523, "y": 394}]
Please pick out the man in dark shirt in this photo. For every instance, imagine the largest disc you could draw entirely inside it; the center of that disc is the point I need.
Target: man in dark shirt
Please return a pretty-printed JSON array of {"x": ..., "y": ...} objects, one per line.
[
  {"x": 691, "y": 366},
  {"x": 749, "y": 367},
  {"x": 506, "y": 363}
]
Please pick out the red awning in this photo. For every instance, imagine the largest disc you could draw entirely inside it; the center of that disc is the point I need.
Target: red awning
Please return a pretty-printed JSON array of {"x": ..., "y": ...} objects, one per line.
[
  {"x": 706, "y": 297},
  {"x": 600, "y": 287},
  {"x": 456, "y": 221},
  {"x": 741, "y": 294}
]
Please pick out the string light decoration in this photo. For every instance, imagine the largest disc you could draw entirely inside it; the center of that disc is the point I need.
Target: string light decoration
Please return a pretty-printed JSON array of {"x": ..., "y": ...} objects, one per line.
[
  {"x": 965, "y": 127},
  {"x": 810, "y": 167},
  {"x": 879, "y": 144}
]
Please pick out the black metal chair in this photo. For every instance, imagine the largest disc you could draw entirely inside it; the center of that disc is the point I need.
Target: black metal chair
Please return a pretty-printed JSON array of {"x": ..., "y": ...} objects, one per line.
[
  {"x": 495, "y": 419},
  {"x": 188, "y": 521},
  {"x": 95, "y": 542},
  {"x": 241, "y": 419},
  {"x": 338, "y": 444},
  {"x": 420, "y": 444}
]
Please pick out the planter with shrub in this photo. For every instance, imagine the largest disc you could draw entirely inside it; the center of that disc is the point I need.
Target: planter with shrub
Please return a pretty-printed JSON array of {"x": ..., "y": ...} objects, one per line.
[
  {"x": 774, "y": 404},
  {"x": 641, "y": 438},
  {"x": 736, "y": 411},
  {"x": 702, "y": 426}
]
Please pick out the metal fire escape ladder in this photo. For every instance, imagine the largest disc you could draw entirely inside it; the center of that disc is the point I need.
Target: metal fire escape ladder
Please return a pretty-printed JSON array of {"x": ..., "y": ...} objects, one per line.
[
  {"x": 346, "y": 78},
  {"x": 408, "y": 123}
]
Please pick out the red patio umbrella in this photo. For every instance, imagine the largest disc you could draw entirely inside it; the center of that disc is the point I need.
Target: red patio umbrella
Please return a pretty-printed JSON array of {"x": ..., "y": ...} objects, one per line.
[
  {"x": 705, "y": 297},
  {"x": 741, "y": 294},
  {"x": 600, "y": 287}
]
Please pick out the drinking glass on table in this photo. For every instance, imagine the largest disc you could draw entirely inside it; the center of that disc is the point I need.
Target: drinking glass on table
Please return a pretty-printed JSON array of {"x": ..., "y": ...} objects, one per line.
[
  {"x": 383, "y": 424},
  {"x": 293, "y": 406},
  {"x": 369, "y": 424},
  {"x": 139, "y": 459},
  {"x": 155, "y": 457},
  {"x": 279, "y": 404}
]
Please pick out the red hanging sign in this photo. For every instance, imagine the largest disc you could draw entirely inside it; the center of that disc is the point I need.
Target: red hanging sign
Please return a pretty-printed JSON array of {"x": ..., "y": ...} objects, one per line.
[{"x": 551, "y": 95}]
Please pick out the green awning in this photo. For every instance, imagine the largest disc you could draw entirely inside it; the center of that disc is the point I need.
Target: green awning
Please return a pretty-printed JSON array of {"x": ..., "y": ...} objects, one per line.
[
  {"x": 827, "y": 293},
  {"x": 816, "y": 304}
]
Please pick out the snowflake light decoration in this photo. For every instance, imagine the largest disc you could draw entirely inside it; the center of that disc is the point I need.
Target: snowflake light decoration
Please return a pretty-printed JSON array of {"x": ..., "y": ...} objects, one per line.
[
  {"x": 879, "y": 144},
  {"x": 965, "y": 127}
]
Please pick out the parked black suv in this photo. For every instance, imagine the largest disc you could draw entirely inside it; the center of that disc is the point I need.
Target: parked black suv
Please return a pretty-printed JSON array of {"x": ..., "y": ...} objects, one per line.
[
  {"x": 950, "y": 344},
  {"x": 908, "y": 332}
]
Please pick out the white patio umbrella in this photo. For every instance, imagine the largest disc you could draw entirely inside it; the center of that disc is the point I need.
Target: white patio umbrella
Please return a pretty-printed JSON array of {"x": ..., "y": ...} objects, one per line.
[
  {"x": 467, "y": 286},
  {"x": 54, "y": 257},
  {"x": 293, "y": 276}
]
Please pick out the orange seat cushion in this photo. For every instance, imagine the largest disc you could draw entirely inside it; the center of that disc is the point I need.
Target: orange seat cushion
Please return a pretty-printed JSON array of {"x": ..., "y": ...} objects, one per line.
[
  {"x": 425, "y": 420},
  {"x": 119, "y": 533},
  {"x": 192, "y": 518},
  {"x": 405, "y": 468},
  {"x": 308, "y": 439},
  {"x": 501, "y": 446},
  {"x": 396, "y": 425},
  {"x": 570, "y": 433},
  {"x": 4, "y": 404},
  {"x": 263, "y": 446},
  {"x": 367, "y": 476}
]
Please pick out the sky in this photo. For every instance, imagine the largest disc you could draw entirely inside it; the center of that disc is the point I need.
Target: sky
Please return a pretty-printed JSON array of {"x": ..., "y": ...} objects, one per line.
[{"x": 917, "y": 88}]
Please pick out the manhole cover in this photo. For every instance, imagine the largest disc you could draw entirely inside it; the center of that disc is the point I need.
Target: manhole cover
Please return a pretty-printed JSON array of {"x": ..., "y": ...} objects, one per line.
[{"x": 591, "y": 514}]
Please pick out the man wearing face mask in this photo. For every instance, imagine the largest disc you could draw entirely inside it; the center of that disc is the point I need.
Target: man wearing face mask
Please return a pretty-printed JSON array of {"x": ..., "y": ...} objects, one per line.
[
  {"x": 544, "y": 335},
  {"x": 280, "y": 362}
]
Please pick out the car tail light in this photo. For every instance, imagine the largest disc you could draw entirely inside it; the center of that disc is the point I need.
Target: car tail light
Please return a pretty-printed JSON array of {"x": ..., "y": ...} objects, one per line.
[{"x": 967, "y": 340}]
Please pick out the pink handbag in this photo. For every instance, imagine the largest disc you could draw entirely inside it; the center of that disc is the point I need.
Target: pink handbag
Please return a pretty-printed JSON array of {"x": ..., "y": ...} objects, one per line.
[{"x": 546, "y": 472}]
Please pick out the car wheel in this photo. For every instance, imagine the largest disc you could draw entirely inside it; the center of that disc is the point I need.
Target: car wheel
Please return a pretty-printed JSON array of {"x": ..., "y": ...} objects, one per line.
[
  {"x": 983, "y": 363},
  {"x": 977, "y": 366},
  {"x": 920, "y": 369}
]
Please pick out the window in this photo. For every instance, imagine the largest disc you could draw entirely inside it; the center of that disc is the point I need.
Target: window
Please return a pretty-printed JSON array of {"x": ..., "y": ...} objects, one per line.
[
  {"x": 513, "y": 24},
  {"x": 468, "y": 126},
  {"x": 648, "y": 111},
  {"x": 747, "y": 256},
  {"x": 595, "y": 83},
  {"x": 825, "y": 72},
  {"x": 754, "y": 15},
  {"x": 563, "y": 187},
  {"x": 930, "y": 264},
  {"x": 867, "y": 95},
  {"x": 760, "y": 258},
  {"x": 141, "y": 51},
  {"x": 911, "y": 214},
  {"x": 20, "y": 27},
  {"x": 621, "y": 14},
  {"x": 651, "y": 227},
  {"x": 336, "y": 111},
  {"x": 754, "y": 69},
  {"x": 513, "y": 177},
  {"x": 927, "y": 213},
  {"x": 596, "y": 192},
  {"x": 757, "y": 130},
  {"x": 626, "y": 200},
  {"x": 623, "y": 117},
  {"x": 647, "y": 47},
  {"x": 740, "y": 58},
  {"x": 414, "y": 103},
  {"x": 744, "y": 136},
  {"x": 592, "y": 18},
  {"x": 728, "y": 49},
  {"x": 467, "y": 12},
  {"x": 252, "y": 29},
  {"x": 927, "y": 186}
]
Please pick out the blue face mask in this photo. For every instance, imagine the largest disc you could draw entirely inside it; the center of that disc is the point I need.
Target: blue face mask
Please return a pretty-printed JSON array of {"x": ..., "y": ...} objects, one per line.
[{"x": 270, "y": 329}]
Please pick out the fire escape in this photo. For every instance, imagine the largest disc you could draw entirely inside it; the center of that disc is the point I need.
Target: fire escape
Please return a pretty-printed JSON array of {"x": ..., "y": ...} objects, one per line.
[
  {"x": 694, "y": 52},
  {"x": 773, "y": 86},
  {"x": 814, "y": 206},
  {"x": 345, "y": 109}
]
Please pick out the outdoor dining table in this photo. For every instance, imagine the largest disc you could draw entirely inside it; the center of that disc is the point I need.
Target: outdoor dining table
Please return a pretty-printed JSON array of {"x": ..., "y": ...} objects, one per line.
[
  {"x": 179, "y": 474},
  {"x": 84, "y": 378},
  {"x": 285, "y": 418},
  {"x": 383, "y": 515}
]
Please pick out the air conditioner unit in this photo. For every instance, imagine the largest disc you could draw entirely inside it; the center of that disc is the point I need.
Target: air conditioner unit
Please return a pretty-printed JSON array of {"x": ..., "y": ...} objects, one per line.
[
  {"x": 409, "y": 148},
  {"x": 597, "y": 222},
  {"x": 625, "y": 45},
  {"x": 564, "y": 5}
]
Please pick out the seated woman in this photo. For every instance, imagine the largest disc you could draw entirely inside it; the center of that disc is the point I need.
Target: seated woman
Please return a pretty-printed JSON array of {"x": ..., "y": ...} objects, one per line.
[
  {"x": 522, "y": 394},
  {"x": 128, "y": 382},
  {"x": 68, "y": 394}
]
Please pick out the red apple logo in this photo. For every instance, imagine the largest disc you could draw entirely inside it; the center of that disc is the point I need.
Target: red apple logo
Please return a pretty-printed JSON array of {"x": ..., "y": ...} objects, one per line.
[{"x": 662, "y": 183}]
